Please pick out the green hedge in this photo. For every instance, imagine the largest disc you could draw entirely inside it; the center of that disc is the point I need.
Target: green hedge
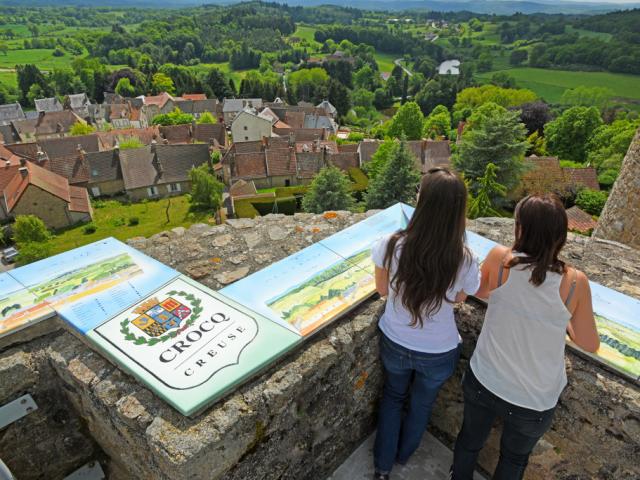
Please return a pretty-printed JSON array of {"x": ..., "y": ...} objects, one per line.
[
  {"x": 290, "y": 191},
  {"x": 252, "y": 207},
  {"x": 359, "y": 179}
]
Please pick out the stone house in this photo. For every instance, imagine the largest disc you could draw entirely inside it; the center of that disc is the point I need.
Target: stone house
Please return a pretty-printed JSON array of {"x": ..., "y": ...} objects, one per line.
[
  {"x": 580, "y": 221},
  {"x": 328, "y": 108},
  {"x": 248, "y": 126},
  {"x": 158, "y": 171},
  {"x": 46, "y": 125},
  {"x": 198, "y": 106},
  {"x": 428, "y": 153},
  {"x": 110, "y": 139},
  {"x": 37, "y": 191},
  {"x": 48, "y": 105},
  {"x": 9, "y": 165},
  {"x": 105, "y": 173},
  {"x": 164, "y": 102},
  {"x": 544, "y": 174}
]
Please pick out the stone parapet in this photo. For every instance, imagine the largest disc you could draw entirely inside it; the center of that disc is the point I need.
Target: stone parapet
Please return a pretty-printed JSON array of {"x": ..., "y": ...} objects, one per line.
[{"x": 306, "y": 414}]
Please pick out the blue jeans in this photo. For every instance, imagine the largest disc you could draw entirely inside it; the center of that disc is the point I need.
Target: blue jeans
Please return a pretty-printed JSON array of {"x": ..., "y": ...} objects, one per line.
[
  {"x": 522, "y": 428},
  {"x": 415, "y": 376}
]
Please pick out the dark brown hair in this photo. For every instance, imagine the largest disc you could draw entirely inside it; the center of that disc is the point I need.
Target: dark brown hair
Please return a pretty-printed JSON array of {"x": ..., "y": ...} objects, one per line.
[
  {"x": 433, "y": 248},
  {"x": 541, "y": 232}
]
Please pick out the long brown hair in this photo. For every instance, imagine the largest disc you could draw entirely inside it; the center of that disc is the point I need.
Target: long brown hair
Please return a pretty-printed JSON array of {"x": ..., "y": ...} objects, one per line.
[
  {"x": 433, "y": 247},
  {"x": 541, "y": 232}
]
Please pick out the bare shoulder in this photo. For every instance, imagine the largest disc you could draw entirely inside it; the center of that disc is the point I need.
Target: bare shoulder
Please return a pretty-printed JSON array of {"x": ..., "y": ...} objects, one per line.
[{"x": 497, "y": 253}]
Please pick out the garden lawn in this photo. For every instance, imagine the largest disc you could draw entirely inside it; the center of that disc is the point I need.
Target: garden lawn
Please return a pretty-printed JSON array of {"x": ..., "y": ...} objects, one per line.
[
  {"x": 112, "y": 220},
  {"x": 385, "y": 61},
  {"x": 551, "y": 84}
]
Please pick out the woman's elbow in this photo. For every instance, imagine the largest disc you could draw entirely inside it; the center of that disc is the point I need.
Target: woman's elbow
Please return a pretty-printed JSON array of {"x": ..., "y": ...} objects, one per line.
[
  {"x": 383, "y": 290},
  {"x": 593, "y": 346}
]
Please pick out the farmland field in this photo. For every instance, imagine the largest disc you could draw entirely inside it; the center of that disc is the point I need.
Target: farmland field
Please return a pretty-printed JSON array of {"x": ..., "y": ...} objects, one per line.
[
  {"x": 385, "y": 61},
  {"x": 551, "y": 84},
  {"x": 42, "y": 57}
]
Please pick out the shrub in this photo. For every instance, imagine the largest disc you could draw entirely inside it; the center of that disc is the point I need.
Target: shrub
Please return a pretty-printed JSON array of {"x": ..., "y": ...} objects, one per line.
[
  {"x": 244, "y": 209},
  {"x": 98, "y": 204},
  {"x": 89, "y": 228},
  {"x": 33, "y": 251},
  {"x": 359, "y": 179},
  {"x": 289, "y": 191},
  {"x": 133, "y": 221},
  {"x": 118, "y": 222},
  {"x": 29, "y": 228},
  {"x": 591, "y": 201},
  {"x": 265, "y": 206}
]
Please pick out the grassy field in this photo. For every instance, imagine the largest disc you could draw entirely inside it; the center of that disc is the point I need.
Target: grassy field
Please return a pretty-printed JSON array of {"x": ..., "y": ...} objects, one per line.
[
  {"x": 385, "y": 61},
  {"x": 42, "y": 57},
  {"x": 112, "y": 220},
  {"x": 304, "y": 32},
  {"x": 588, "y": 33},
  {"x": 551, "y": 84},
  {"x": 235, "y": 75},
  {"x": 8, "y": 78}
]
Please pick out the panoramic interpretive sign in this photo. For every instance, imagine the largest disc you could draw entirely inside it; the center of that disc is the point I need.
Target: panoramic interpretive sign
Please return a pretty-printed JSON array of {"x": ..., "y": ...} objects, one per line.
[{"x": 191, "y": 345}]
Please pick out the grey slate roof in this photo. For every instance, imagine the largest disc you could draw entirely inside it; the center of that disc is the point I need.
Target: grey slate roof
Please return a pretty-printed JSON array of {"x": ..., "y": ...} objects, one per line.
[
  {"x": 238, "y": 104},
  {"x": 319, "y": 121},
  {"x": 61, "y": 147},
  {"x": 48, "y": 105},
  {"x": 11, "y": 111},
  {"x": 171, "y": 163},
  {"x": 104, "y": 166}
]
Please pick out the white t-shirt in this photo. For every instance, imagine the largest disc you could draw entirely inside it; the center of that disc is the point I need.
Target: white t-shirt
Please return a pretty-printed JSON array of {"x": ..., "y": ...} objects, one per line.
[{"x": 439, "y": 332}]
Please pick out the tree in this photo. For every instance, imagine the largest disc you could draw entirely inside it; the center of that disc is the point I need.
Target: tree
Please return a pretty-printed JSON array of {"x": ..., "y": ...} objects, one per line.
[
  {"x": 217, "y": 85},
  {"x": 439, "y": 91},
  {"x": 33, "y": 251},
  {"x": 518, "y": 57},
  {"x": 81, "y": 128},
  {"x": 339, "y": 97},
  {"x": 407, "y": 121},
  {"x": 4, "y": 48},
  {"x": 438, "y": 123},
  {"x": 162, "y": 83},
  {"x": 473, "y": 97},
  {"x": 591, "y": 201},
  {"x": 488, "y": 191},
  {"x": 535, "y": 115},
  {"x": 206, "y": 190},
  {"x": 607, "y": 147},
  {"x": 29, "y": 228},
  {"x": 27, "y": 76},
  {"x": 124, "y": 88},
  {"x": 379, "y": 160},
  {"x": 567, "y": 136},
  {"x": 177, "y": 117},
  {"x": 503, "y": 79},
  {"x": 493, "y": 135},
  {"x": 397, "y": 182},
  {"x": 537, "y": 145},
  {"x": 206, "y": 117},
  {"x": 330, "y": 190},
  {"x": 587, "y": 96}
]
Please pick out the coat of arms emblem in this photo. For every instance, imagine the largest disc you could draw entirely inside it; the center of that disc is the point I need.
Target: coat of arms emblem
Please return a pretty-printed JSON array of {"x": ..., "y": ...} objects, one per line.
[{"x": 156, "y": 318}]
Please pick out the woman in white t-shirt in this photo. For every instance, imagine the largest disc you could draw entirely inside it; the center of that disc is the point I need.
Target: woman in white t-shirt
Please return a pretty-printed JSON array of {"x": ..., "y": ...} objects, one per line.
[{"x": 423, "y": 270}]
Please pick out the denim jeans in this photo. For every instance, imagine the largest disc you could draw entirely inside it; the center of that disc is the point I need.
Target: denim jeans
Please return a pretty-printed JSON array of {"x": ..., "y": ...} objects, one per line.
[
  {"x": 416, "y": 377},
  {"x": 522, "y": 428}
]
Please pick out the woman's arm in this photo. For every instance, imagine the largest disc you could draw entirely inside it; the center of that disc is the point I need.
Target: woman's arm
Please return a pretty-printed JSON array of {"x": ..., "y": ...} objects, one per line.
[
  {"x": 490, "y": 264},
  {"x": 382, "y": 281},
  {"x": 582, "y": 326}
]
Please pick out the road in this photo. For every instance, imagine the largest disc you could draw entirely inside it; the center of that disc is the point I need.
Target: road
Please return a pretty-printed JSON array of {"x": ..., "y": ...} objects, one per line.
[{"x": 398, "y": 62}]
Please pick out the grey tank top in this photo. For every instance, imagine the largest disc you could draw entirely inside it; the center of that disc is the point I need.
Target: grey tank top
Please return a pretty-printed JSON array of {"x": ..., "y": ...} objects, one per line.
[{"x": 520, "y": 352}]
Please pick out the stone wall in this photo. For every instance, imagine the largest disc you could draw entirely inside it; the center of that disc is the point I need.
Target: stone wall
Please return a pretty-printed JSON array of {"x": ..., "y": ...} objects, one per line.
[
  {"x": 620, "y": 219},
  {"x": 305, "y": 415}
]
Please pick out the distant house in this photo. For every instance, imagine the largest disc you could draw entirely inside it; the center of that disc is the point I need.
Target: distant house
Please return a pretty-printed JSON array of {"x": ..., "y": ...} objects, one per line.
[
  {"x": 11, "y": 112},
  {"x": 544, "y": 174},
  {"x": 320, "y": 121},
  {"x": 214, "y": 133},
  {"x": 580, "y": 221},
  {"x": 427, "y": 153},
  {"x": 328, "y": 108},
  {"x": 194, "y": 96},
  {"x": 166, "y": 103},
  {"x": 248, "y": 126},
  {"x": 339, "y": 55},
  {"x": 9, "y": 165},
  {"x": 48, "y": 105},
  {"x": 159, "y": 171},
  {"x": 198, "y": 106},
  {"x": 233, "y": 106},
  {"x": 105, "y": 173},
  {"x": 449, "y": 67},
  {"x": 37, "y": 191},
  {"x": 79, "y": 103},
  {"x": 112, "y": 138}
]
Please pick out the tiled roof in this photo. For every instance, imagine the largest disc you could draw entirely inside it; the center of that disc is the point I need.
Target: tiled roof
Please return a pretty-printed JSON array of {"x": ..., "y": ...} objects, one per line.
[
  {"x": 104, "y": 166},
  {"x": 119, "y": 111},
  {"x": 61, "y": 147},
  {"x": 348, "y": 147},
  {"x": 8, "y": 134},
  {"x": 176, "y": 133},
  {"x": 39, "y": 177},
  {"x": 11, "y": 111},
  {"x": 580, "y": 221},
  {"x": 294, "y": 119},
  {"x": 200, "y": 106},
  {"x": 145, "y": 135},
  {"x": 281, "y": 161},
  {"x": 250, "y": 165},
  {"x": 242, "y": 187},
  {"x": 49, "y": 123},
  {"x": 327, "y": 107},
  {"x": 48, "y": 105},
  {"x": 171, "y": 163},
  {"x": 194, "y": 96},
  {"x": 72, "y": 167},
  {"x": 587, "y": 177},
  {"x": 206, "y": 131},
  {"x": 247, "y": 147},
  {"x": 436, "y": 154},
  {"x": 309, "y": 164},
  {"x": 9, "y": 164},
  {"x": 78, "y": 101},
  {"x": 345, "y": 160},
  {"x": 27, "y": 149},
  {"x": 79, "y": 199},
  {"x": 302, "y": 134},
  {"x": 159, "y": 100}
]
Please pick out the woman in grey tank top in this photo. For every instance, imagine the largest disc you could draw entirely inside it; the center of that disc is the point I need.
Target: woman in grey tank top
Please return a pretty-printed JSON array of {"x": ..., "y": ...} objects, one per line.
[{"x": 517, "y": 371}]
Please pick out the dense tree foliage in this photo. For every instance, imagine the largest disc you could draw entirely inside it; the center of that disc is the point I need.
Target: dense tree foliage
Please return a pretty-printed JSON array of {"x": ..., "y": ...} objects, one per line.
[
  {"x": 567, "y": 136},
  {"x": 408, "y": 122},
  {"x": 330, "y": 190}
]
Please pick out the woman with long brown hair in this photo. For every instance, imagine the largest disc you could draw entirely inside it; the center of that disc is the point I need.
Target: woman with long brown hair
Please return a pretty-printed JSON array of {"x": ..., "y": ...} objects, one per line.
[
  {"x": 517, "y": 370},
  {"x": 422, "y": 270}
]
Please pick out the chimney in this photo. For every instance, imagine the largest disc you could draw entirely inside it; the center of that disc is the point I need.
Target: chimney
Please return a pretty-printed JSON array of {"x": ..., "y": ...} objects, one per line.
[
  {"x": 24, "y": 171},
  {"x": 23, "y": 162},
  {"x": 116, "y": 150},
  {"x": 292, "y": 139},
  {"x": 81, "y": 153},
  {"x": 41, "y": 156},
  {"x": 265, "y": 142},
  {"x": 316, "y": 143},
  {"x": 60, "y": 129},
  {"x": 40, "y": 118}
]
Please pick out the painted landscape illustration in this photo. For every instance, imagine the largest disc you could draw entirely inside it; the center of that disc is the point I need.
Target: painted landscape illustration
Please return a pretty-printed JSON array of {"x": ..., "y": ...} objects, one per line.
[
  {"x": 619, "y": 345},
  {"x": 19, "y": 308},
  {"x": 326, "y": 294}
]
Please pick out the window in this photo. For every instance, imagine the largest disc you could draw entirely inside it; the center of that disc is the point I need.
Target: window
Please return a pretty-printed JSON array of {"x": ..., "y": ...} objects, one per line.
[
  {"x": 174, "y": 187},
  {"x": 152, "y": 191},
  {"x": 246, "y": 139},
  {"x": 95, "y": 191},
  {"x": 246, "y": 128}
]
